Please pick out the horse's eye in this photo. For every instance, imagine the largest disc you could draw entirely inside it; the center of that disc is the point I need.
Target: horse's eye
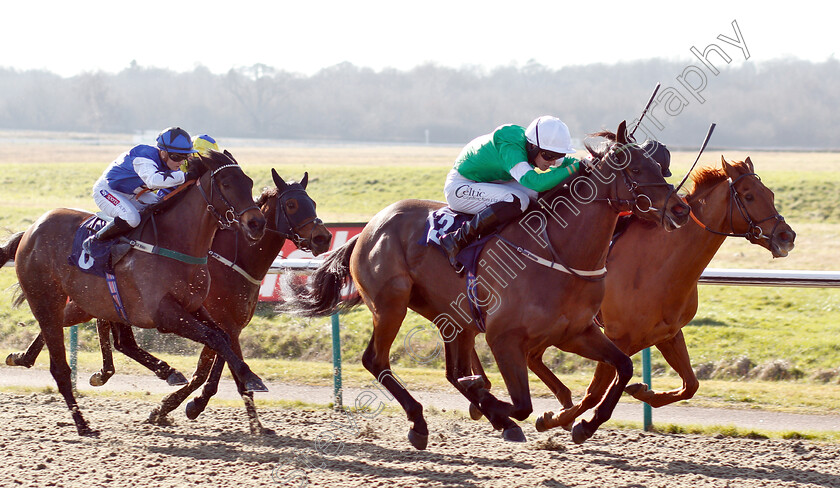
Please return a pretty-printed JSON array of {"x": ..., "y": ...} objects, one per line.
[{"x": 748, "y": 197}]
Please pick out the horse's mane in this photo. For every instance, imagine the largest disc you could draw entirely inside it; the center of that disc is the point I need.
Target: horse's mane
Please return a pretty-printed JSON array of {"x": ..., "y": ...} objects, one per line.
[
  {"x": 198, "y": 165},
  {"x": 267, "y": 193},
  {"x": 707, "y": 177},
  {"x": 598, "y": 151}
]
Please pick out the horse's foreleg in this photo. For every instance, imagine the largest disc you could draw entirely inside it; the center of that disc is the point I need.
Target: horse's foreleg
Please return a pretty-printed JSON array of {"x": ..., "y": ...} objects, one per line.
[
  {"x": 676, "y": 354},
  {"x": 170, "y": 402},
  {"x": 171, "y": 317},
  {"x": 27, "y": 358},
  {"x": 593, "y": 344}
]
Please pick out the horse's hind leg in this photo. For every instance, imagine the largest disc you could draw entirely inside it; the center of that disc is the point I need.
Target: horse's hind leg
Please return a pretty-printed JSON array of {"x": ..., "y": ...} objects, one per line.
[
  {"x": 199, "y": 403},
  {"x": 170, "y": 402},
  {"x": 125, "y": 343},
  {"x": 103, "y": 329},
  {"x": 388, "y": 313},
  {"x": 48, "y": 312},
  {"x": 27, "y": 358}
]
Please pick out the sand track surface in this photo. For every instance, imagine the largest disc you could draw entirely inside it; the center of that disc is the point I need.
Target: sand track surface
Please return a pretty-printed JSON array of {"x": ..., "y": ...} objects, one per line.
[{"x": 40, "y": 448}]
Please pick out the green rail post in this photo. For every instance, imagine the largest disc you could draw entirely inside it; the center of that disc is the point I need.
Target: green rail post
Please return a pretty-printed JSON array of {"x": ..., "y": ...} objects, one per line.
[
  {"x": 336, "y": 343},
  {"x": 74, "y": 350},
  {"x": 648, "y": 412}
]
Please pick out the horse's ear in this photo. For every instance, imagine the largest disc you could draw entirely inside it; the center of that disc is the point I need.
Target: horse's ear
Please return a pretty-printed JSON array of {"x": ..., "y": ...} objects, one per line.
[
  {"x": 621, "y": 133},
  {"x": 749, "y": 164},
  {"x": 228, "y": 154},
  {"x": 730, "y": 170},
  {"x": 304, "y": 180},
  {"x": 723, "y": 162},
  {"x": 278, "y": 182}
]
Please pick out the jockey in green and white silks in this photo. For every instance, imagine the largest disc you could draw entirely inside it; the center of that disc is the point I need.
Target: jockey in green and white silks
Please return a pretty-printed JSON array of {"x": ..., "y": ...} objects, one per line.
[{"x": 495, "y": 176}]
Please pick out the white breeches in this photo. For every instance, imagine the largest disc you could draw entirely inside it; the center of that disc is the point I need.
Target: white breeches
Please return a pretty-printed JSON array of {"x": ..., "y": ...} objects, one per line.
[
  {"x": 465, "y": 195},
  {"x": 122, "y": 205}
]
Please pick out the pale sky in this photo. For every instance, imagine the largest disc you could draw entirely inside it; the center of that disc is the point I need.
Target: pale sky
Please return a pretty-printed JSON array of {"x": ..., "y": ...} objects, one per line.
[{"x": 305, "y": 36}]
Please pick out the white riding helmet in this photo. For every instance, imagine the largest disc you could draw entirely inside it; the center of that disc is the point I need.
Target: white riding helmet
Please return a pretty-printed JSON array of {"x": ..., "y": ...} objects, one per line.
[{"x": 550, "y": 134}]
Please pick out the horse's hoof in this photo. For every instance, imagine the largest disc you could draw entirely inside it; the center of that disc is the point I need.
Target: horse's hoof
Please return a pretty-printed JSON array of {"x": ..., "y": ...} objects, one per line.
[
  {"x": 579, "y": 432},
  {"x": 88, "y": 432},
  {"x": 255, "y": 386},
  {"x": 635, "y": 388},
  {"x": 193, "y": 410},
  {"x": 475, "y": 413},
  {"x": 96, "y": 379},
  {"x": 10, "y": 360},
  {"x": 514, "y": 434},
  {"x": 419, "y": 441},
  {"x": 469, "y": 382},
  {"x": 176, "y": 379},
  {"x": 540, "y": 424},
  {"x": 263, "y": 431}
]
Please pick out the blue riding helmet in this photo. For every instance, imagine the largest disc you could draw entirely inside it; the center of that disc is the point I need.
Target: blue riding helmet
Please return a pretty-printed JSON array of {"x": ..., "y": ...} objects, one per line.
[{"x": 175, "y": 140}]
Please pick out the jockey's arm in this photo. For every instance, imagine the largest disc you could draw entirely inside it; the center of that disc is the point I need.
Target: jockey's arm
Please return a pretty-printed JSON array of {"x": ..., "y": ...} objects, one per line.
[
  {"x": 154, "y": 178},
  {"x": 524, "y": 173}
]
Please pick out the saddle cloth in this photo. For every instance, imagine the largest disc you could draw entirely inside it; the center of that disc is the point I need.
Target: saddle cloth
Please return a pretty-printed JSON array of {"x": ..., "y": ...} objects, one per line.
[{"x": 98, "y": 262}]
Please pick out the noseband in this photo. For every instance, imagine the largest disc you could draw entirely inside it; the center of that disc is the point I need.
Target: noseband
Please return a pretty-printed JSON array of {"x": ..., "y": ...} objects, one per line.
[{"x": 230, "y": 216}]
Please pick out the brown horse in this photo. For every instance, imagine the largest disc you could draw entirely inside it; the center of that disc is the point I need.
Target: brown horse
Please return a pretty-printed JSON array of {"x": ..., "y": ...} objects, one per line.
[
  {"x": 236, "y": 272},
  {"x": 664, "y": 269},
  {"x": 157, "y": 291},
  {"x": 393, "y": 271}
]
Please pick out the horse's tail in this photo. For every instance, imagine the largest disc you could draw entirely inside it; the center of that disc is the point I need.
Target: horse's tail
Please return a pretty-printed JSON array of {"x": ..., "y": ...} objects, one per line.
[
  {"x": 9, "y": 249},
  {"x": 322, "y": 296},
  {"x": 7, "y": 253}
]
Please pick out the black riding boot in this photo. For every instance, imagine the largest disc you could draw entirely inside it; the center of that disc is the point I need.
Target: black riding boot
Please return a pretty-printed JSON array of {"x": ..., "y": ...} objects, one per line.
[
  {"x": 482, "y": 223},
  {"x": 112, "y": 229}
]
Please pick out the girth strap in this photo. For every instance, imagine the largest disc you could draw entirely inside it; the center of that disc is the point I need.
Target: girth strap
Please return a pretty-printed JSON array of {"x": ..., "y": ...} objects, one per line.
[{"x": 167, "y": 253}]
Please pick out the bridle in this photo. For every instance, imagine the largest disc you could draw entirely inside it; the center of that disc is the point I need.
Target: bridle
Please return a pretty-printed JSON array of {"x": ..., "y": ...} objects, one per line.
[
  {"x": 754, "y": 231},
  {"x": 630, "y": 183},
  {"x": 230, "y": 216},
  {"x": 287, "y": 226}
]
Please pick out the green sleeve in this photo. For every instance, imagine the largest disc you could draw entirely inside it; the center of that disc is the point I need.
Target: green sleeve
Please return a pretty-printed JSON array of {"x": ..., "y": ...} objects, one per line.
[{"x": 551, "y": 178}]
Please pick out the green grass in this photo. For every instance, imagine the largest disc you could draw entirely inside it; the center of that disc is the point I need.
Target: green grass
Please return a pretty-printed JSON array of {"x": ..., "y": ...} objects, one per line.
[{"x": 353, "y": 182}]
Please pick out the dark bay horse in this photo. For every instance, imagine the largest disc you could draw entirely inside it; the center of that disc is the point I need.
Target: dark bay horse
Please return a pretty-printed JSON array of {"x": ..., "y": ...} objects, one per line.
[
  {"x": 528, "y": 305},
  {"x": 236, "y": 271},
  {"x": 651, "y": 288},
  {"x": 157, "y": 291}
]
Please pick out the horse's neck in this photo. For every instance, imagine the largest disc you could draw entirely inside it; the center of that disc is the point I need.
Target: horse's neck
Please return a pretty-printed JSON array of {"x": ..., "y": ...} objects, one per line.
[
  {"x": 186, "y": 227},
  {"x": 696, "y": 245},
  {"x": 583, "y": 242}
]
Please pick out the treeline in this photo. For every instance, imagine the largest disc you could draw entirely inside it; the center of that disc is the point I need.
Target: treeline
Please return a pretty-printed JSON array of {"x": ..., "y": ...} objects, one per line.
[{"x": 778, "y": 104}]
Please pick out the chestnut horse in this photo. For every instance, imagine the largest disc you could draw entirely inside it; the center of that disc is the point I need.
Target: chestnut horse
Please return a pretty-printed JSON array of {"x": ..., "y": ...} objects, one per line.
[
  {"x": 394, "y": 271},
  {"x": 236, "y": 272},
  {"x": 157, "y": 291},
  {"x": 665, "y": 267}
]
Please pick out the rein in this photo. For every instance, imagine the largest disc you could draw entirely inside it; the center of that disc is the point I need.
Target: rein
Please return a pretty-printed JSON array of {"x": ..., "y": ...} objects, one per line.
[{"x": 754, "y": 230}]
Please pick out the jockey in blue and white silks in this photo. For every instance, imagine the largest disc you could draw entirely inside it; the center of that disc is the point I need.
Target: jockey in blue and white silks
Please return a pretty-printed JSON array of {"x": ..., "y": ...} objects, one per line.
[{"x": 128, "y": 184}]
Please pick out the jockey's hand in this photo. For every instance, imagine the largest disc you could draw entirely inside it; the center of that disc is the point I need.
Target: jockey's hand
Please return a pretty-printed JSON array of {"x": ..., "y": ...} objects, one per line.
[{"x": 192, "y": 174}]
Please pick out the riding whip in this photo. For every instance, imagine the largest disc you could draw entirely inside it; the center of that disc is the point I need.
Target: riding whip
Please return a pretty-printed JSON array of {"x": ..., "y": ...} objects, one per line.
[
  {"x": 638, "y": 122},
  {"x": 705, "y": 141}
]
